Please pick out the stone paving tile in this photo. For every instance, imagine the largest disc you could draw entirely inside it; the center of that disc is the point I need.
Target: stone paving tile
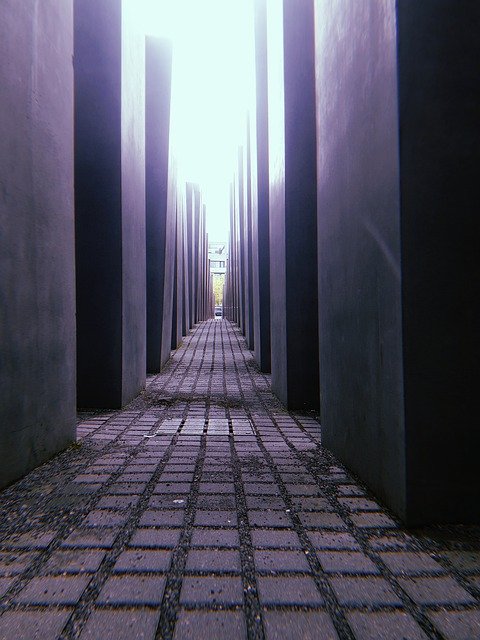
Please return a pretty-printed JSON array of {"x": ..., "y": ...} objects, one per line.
[
  {"x": 53, "y": 590},
  {"x": 322, "y": 519},
  {"x": 436, "y": 591},
  {"x": 117, "y": 502},
  {"x": 347, "y": 562},
  {"x": 210, "y": 625},
  {"x": 209, "y": 590},
  {"x": 143, "y": 561},
  {"x": 372, "y": 520},
  {"x": 268, "y": 519},
  {"x": 131, "y": 624},
  {"x": 291, "y": 590},
  {"x": 410, "y": 563},
  {"x": 74, "y": 561},
  {"x": 162, "y": 519},
  {"x": 457, "y": 625},
  {"x": 130, "y": 590},
  {"x": 364, "y": 591},
  {"x": 215, "y": 538},
  {"x": 104, "y": 518},
  {"x": 155, "y": 538},
  {"x": 272, "y": 561},
  {"x": 215, "y": 518},
  {"x": 205, "y": 510},
  {"x": 298, "y": 625},
  {"x": 33, "y": 625},
  {"x": 266, "y": 538},
  {"x": 385, "y": 626},
  {"x": 331, "y": 540},
  {"x": 215, "y": 561}
]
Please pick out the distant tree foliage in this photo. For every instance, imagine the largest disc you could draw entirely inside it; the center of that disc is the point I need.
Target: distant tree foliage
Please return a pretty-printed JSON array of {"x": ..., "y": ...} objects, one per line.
[{"x": 218, "y": 282}]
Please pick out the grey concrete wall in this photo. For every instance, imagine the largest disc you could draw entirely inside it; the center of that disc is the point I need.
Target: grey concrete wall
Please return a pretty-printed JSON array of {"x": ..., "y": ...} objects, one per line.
[
  {"x": 110, "y": 204},
  {"x": 229, "y": 288},
  {"x": 240, "y": 194},
  {"x": 37, "y": 281},
  {"x": 438, "y": 53},
  {"x": 249, "y": 300},
  {"x": 292, "y": 196},
  {"x": 169, "y": 264},
  {"x": 158, "y": 68},
  {"x": 178, "y": 286},
  {"x": 237, "y": 306},
  {"x": 196, "y": 250},
  {"x": 260, "y": 213},
  {"x": 185, "y": 264},
  {"x": 133, "y": 210},
  {"x": 200, "y": 247},
  {"x": 359, "y": 243},
  {"x": 190, "y": 253},
  {"x": 396, "y": 208}
]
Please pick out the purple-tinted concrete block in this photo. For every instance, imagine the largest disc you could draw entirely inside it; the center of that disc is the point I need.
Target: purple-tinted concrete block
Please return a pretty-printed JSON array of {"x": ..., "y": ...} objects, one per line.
[
  {"x": 292, "y": 201},
  {"x": 109, "y": 204},
  {"x": 37, "y": 250},
  {"x": 160, "y": 219},
  {"x": 397, "y": 200}
]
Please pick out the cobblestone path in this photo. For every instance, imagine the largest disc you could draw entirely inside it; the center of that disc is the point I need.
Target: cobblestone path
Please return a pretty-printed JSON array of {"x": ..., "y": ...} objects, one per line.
[{"x": 204, "y": 510}]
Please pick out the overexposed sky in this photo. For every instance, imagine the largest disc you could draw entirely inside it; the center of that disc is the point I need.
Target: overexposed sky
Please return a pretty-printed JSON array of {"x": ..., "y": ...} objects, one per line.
[{"x": 212, "y": 87}]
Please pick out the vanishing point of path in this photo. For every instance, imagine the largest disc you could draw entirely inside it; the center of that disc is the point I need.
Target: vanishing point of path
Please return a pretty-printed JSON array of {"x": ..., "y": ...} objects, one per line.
[{"x": 205, "y": 510}]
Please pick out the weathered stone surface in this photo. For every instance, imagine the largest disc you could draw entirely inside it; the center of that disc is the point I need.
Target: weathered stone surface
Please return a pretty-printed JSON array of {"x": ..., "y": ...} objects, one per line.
[
  {"x": 160, "y": 212},
  {"x": 292, "y": 201},
  {"x": 396, "y": 211},
  {"x": 260, "y": 212},
  {"x": 37, "y": 277},
  {"x": 109, "y": 204}
]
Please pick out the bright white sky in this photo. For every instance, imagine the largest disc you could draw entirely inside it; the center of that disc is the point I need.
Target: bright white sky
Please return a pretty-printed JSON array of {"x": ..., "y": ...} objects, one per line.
[{"x": 212, "y": 88}]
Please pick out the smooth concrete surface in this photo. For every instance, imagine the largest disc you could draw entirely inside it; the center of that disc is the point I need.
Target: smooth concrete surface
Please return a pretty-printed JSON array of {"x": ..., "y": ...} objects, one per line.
[
  {"x": 158, "y": 71},
  {"x": 110, "y": 204},
  {"x": 438, "y": 71},
  {"x": 292, "y": 199},
  {"x": 242, "y": 248},
  {"x": 248, "y": 240},
  {"x": 197, "y": 235},
  {"x": 397, "y": 194},
  {"x": 170, "y": 245},
  {"x": 359, "y": 243},
  {"x": 37, "y": 281},
  {"x": 201, "y": 261},
  {"x": 237, "y": 307},
  {"x": 260, "y": 212},
  {"x": 232, "y": 312},
  {"x": 190, "y": 253},
  {"x": 178, "y": 283},
  {"x": 182, "y": 212}
]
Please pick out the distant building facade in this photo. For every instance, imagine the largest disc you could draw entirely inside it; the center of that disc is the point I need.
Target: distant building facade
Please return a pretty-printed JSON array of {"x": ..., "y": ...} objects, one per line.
[{"x": 217, "y": 257}]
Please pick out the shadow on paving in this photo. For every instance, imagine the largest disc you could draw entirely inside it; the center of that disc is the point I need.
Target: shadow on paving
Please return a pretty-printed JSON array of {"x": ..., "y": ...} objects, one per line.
[{"x": 205, "y": 510}]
